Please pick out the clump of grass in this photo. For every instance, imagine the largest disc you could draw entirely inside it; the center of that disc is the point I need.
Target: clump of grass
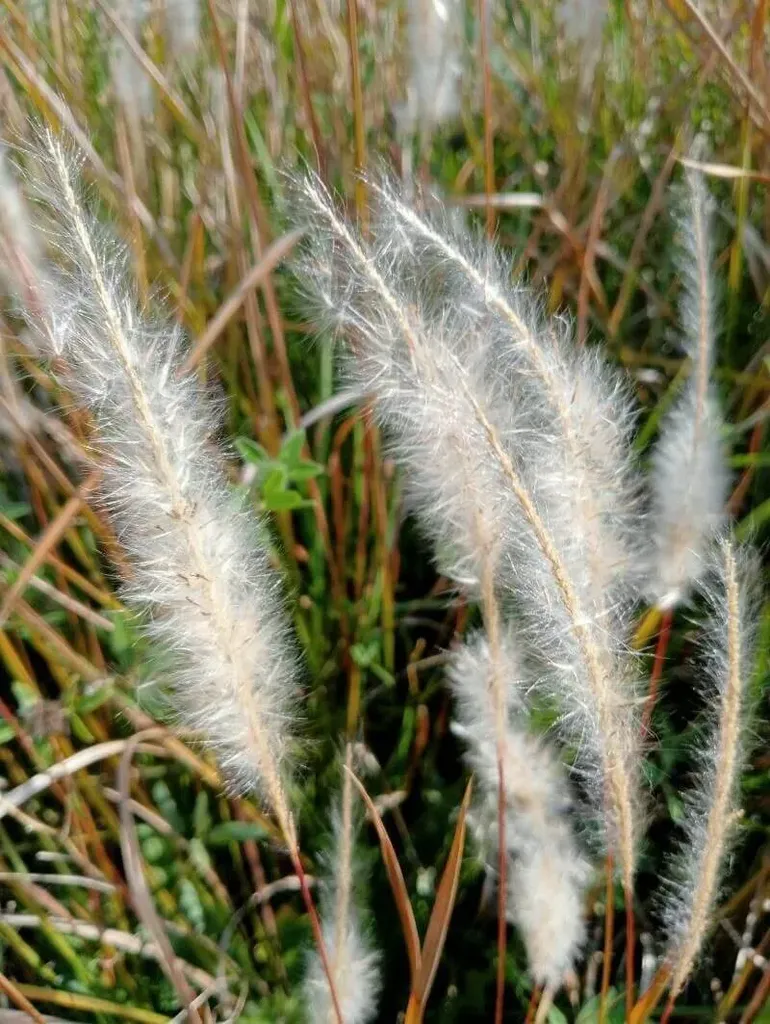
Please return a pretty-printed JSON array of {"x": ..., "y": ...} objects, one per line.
[
  {"x": 201, "y": 215},
  {"x": 199, "y": 570},
  {"x": 455, "y": 387}
]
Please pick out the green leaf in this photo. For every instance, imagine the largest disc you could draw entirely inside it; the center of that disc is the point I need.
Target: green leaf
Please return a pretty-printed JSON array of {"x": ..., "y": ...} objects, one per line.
[
  {"x": 16, "y": 510},
  {"x": 286, "y": 501},
  {"x": 190, "y": 905},
  {"x": 251, "y": 451},
  {"x": 555, "y": 1016},
  {"x": 275, "y": 481},
  {"x": 26, "y": 698},
  {"x": 201, "y": 814},
  {"x": 306, "y": 471},
  {"x": 590, "y": 1013},
  {"x": 91, "y": 701},
  {"x": 364, "y": 654},
  {"x": 6, "y": 733},
  {"x": 291, "y": 449},
  {"x": 234, "y": 832}
]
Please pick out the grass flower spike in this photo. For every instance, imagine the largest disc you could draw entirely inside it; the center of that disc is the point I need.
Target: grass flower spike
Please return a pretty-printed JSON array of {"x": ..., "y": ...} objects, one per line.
[
  {"x": 435, "y": 41},
  {"x": 689, "y": 472},
  {"x": 183, "y": 28},
  {"x": 354, "y": 963},
  {"x": 547, "y": 872},
  {"x": 712, "y": 806},
  {"x": 22, "y": 273},
  {"x": 199, "y": 566},
  {"x": 505, "y": 527}
]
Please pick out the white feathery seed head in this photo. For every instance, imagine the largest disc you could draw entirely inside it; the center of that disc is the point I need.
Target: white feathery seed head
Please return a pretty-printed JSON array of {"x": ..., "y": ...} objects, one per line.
[
  {"x": 183, "y": 27},
  {"x": 690, "y": 477},
  {"x": 201, "y": 568},
  {"x": 22, "y": 257},
  {"x": 130, "y": 83},
  {"x": 355, "y": 964},
  {"x": 577, "y": 403},
  {"x": 477, "y": 394},
  {"x": 436, "y": 37},
  {"x": 548, "y": 873},
  {"x": 712, "y": 805}
]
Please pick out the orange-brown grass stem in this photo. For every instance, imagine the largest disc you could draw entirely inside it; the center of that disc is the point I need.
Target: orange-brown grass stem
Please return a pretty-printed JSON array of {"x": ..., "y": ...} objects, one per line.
[
  {"x": 630, "y": 947},
  {"x": 534, "y": 999},
  {"x": 664, "y": 1017},
  {"x": 489, "y": 161},
  {"x": 664, "y": 635},
  {"x": 315, "y": 925},
  {"x": 609, "y": 934},
  {"x": 651, "y": 996},
  {"x": 502, "y": 867},
  {"x": 358, "y": 115}
]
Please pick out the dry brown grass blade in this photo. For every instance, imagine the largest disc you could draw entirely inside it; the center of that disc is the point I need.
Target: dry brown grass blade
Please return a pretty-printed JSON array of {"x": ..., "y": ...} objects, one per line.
[
  {"x": 489, "y": 152},
  {"x": 359, "y": 128},
  {"x": 10, "y": 990},
  {"x": 52, "y": 645},
  {"x": 62, "y": 769},
  {"x": 725, "y": 170},
  {"x": 440, "y": 916},
  {"x": 272, "y": 256},
  {"x": 137, "y": 883},
  {"x": 654, "y": 204},
  {"x": 65, "y": 600},
  {"x": 136, "y": 945},
  {"x": 307, "y": 99},
  {"x": 397, "y": 884},
  {"x": 48, "y": 540},
  {"x": 589, "y": 257},
  {"x": 19, "y": 1017},
  {"x": 91, "y": 1004}
]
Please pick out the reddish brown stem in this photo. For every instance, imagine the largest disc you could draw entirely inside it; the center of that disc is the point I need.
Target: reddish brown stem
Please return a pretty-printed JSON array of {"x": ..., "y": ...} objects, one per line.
[
  {"x": 315, "y": 925},
  {"x": 630, "y": 947},
  {"x": 667, "y": 1012},
  {"x": 609, "y": 934},
  {"x": 502, "y": 868},
  {"x": 489, "y": 158},
  {"x": 657, "y": 669},
  {"x": 534, "y": 999}
]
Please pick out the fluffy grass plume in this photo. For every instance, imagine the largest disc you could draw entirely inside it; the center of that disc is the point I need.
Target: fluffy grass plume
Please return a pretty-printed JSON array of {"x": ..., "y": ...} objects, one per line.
[
  {"x": 22, "y": 258},
  {"x": 474, "y": 453},
  {"x": 354, "y": 962},
  {"x": 576, "y": 401},
  {"x": 436, "y": 35},
  {"x": 183, "y": 28},
  {"x": 129, "y": 80},
  {"x": 547, "y": 872},
  {"x": 200, "y": 567},
  {"x": 713, "y": 804},
  {"x": 690, "y": 477}
]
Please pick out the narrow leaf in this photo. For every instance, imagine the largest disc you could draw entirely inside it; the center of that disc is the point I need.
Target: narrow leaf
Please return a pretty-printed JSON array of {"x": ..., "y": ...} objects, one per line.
[
  {"x": 442, "y": 911},
  {"x": 397, "y": 884}
]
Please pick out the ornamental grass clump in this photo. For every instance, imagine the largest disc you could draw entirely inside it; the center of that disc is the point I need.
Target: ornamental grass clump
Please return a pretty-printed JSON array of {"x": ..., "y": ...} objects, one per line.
[
  {"x": 200, "y": 569},
  {"x": 516, "y": 447}
]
